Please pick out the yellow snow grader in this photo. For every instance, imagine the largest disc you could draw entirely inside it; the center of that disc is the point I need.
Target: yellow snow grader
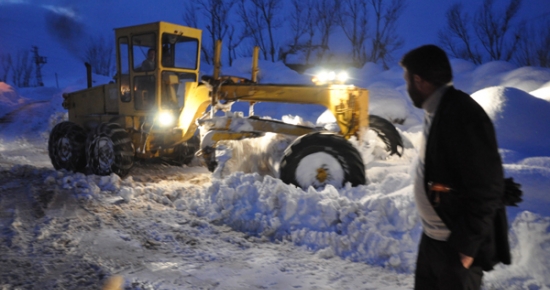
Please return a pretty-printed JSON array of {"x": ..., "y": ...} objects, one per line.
[{"x": 158, "y": 101}]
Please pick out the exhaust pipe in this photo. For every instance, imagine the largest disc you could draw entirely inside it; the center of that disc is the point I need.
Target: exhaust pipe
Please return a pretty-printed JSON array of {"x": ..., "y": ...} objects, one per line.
[{"x": 88, "y": 74}]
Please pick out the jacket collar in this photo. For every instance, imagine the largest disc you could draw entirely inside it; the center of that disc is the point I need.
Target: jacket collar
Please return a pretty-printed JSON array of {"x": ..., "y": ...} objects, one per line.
[{"x": 431, "y": 104}]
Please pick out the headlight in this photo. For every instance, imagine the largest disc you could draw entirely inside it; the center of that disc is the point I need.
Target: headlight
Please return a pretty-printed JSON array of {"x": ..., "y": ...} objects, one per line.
[
  {"x": 342, "y": 77},
  {"x": 330, "y": 77},
  {"x": 165, "y": 118}
]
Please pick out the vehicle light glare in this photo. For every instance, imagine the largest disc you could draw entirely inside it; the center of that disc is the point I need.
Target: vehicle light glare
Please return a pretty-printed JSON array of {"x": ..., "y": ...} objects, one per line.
[
  {"x": 330, "y": 77},
  {"x": 323, "y": 76},
  {"x": 343, "y": 77},
  {"x": 165, "y": 119}
]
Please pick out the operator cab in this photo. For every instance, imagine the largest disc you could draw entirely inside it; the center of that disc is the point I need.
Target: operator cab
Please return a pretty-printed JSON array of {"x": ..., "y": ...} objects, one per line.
[{"x": 155, "y": 62}]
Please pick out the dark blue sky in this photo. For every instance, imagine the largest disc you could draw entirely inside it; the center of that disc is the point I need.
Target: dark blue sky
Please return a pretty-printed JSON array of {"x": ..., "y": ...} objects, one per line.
[{"x": 22, "y": 22}]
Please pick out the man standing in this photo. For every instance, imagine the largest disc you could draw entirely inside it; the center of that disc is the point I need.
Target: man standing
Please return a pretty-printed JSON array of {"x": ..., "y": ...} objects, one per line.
[{"x": 459, "y": 180}]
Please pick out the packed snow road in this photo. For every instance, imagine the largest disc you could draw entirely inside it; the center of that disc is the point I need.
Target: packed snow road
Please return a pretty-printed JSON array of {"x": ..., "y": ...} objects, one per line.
[{"x": 69, "y": 231}]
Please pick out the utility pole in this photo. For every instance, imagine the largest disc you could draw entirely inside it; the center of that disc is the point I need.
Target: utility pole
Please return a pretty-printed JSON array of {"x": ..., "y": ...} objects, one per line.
[{"x": 39, "y": 61}]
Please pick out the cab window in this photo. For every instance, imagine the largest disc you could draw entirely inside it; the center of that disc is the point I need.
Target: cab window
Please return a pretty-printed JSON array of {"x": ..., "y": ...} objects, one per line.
[
  {"x": 144, "y": 52},
  {"x": 124, "y": 66},
  {"x": 179, "y": 51}
]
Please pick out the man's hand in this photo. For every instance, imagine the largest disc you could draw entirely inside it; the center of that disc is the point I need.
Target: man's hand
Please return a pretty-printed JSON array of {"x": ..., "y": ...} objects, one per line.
[{"x": 466, "y": 261}]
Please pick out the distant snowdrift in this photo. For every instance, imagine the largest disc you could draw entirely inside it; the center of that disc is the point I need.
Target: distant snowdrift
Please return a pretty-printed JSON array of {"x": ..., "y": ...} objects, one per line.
[{"x": 522, "y": 121}]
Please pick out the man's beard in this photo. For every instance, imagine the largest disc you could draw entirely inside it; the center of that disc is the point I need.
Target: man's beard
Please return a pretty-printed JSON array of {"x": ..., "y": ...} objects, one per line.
[{"x": 416, "y": 96}]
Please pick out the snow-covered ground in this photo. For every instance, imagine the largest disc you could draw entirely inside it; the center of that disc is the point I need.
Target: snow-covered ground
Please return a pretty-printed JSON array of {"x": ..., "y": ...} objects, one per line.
[{"x": 167, "y": 227}]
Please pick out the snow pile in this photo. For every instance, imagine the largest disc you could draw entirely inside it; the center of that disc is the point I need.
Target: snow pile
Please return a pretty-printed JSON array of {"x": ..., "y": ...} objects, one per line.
[
  {"x": 543, "y": 92},
  {"x": 530, "y": 242},
  {"x": 513, "y": 111},
  {"x": 526, "y": 78},
  {"x": 489, "y": 74},
  {"x": 362, "y": 224},
  {"x": 391, "y": 104}
]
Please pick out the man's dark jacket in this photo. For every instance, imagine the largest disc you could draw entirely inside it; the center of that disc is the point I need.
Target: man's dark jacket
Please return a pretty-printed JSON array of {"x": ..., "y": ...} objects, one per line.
[{"x": 462, "y": 153}]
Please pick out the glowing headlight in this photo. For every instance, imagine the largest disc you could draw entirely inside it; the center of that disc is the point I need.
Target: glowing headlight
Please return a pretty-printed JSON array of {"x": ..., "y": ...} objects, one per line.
[
  {"x": 327, "y": 77},
  {"x": 342, "y": 77},
  {"x": 166, "y": 118}
]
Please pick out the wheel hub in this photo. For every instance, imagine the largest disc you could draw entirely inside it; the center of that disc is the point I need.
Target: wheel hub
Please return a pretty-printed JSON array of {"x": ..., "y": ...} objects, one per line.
[
  {"x": 322, "y": 174},
  {"x": 318, "y": 170},
  {"x": 105, "y": 154},
  {"x": 65, "y": 149}
]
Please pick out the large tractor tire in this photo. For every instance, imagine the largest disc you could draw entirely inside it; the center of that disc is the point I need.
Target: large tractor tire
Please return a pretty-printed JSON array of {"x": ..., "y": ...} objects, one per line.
[
  {"x": 388, "y": 133},
  {"x": 318, "y": 159},
  {"x": 66, "y": 147},
  {"x": 110, "y": 150}
]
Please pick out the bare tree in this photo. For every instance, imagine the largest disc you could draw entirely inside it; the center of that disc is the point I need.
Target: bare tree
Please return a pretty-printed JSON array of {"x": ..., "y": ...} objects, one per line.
[
  {"x": 300, "y": 19},
  {"x": 22, "y": 69},
  {"x": 326, "y": 22},
  {"x": 492, "y": 29},
  {"x": 234, "y": 40},
  {"x": 354, "y": 19},
  {"x": 190, "y": 9},
  {"x": 269, "y": 10},
  {"x": 100, "y": 54},
  {"x": 5, "y": 64},
  {"x": 190, "y": 13},
  {"x": 216, "y": 12},
  {"x": 534, "y": 46},
  {"x": 457, "y": 31},
  {"x": 253, "y": 25},
  {"x": 260, "y": 15},
  {"x": 492, "y": 37},
  {"x": 386, "y": 40}
]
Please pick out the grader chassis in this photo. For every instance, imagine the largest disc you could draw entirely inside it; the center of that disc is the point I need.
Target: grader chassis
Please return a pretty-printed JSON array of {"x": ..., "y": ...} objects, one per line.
[{"x": 155, "y": 112}]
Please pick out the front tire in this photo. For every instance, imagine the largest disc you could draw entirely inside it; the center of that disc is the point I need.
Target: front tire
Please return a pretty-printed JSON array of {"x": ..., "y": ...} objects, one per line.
[
  {"x": 185, "y": 152},
  {"x": 318, "y": 159},
  {"x": 110, "y": 150},
  {"x": 66, "y": 147}
]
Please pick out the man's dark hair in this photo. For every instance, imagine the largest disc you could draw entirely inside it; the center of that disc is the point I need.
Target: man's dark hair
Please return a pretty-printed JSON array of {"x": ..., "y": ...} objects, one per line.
[{"x": 430, "y": 63}]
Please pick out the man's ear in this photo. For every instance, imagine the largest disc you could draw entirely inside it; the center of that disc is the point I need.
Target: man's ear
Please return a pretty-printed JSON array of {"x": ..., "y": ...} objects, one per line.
[
  {"x": 417, "y": 80},
  {"x": 422, "y": 85}
]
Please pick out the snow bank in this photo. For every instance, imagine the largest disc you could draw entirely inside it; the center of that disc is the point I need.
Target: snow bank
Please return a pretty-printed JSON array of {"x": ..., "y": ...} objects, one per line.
[
  {"x": 522, "y": 121},
  {"x": 489, "y": 74},
  {"x": 526, "y": 78},
  {"x": 530, "y": 269},
  {"x": 391, "y": 104},
  {"x": 543, "y": 92},
  {"x": 462, "y": 74}
]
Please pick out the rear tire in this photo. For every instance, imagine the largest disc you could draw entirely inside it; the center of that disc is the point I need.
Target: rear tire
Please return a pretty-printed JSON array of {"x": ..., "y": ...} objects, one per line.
[
  {"x": 66, "y": 147},
  {"x": 388, "y": 133},
  {"x": 318, "y": 159},
  {"x": 110, "y": 150}
]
